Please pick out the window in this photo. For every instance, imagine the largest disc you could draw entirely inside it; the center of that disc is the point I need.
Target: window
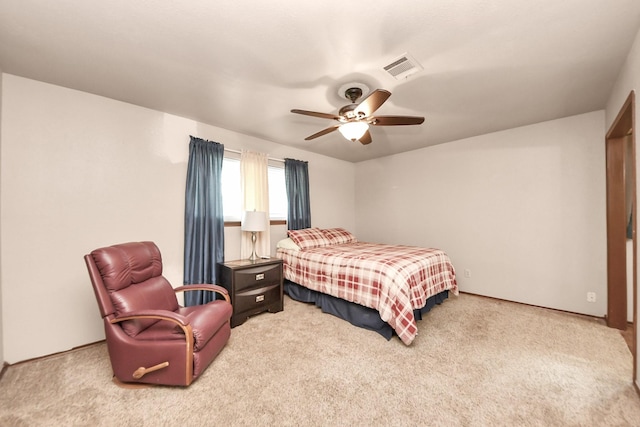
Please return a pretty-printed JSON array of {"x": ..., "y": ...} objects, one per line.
[
  {"x": 232, "y": 195},
  {"x": 277, "y": 193}
]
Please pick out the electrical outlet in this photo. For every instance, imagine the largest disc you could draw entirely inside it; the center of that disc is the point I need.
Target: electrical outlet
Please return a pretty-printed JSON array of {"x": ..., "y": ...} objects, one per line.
[
  {"x": 591, "y": 297},
  {"x": 467, "y": 273}
]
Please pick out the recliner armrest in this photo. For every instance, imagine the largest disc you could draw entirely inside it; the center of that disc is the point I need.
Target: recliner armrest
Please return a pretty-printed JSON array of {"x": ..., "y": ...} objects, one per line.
[
  {"x": 170, "y": 316},
  {"x": 152, "y": 314},
  {"x": 205, "y": 287}
]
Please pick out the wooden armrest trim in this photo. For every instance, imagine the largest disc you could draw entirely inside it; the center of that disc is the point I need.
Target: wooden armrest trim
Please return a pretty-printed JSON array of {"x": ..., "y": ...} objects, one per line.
[
  {"x": 153, "y": 314},
  {"x": 205, "y": 287}
]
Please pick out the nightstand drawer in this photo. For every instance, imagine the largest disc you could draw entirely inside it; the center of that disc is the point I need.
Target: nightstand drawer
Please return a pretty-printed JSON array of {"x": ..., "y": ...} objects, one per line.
[
  {"x": 257, "y": 297},
  {"x": 256, "y": 276},
  {"x": 255, "y": 286}
]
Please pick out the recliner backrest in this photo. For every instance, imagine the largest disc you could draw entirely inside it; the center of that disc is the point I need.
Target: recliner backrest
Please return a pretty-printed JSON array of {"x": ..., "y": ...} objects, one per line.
[{"x": 132, "y": 276}]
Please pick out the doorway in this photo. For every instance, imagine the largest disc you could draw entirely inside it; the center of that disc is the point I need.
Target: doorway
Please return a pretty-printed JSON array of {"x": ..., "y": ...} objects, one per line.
[{"x": 621, "y": 223}]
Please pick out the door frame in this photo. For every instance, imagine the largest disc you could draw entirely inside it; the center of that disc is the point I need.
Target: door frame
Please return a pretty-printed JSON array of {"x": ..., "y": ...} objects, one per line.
[{"x": 623, "y": 127}]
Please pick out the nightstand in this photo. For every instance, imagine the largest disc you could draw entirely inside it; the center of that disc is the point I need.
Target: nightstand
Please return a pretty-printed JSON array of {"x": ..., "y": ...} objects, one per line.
[{"x": 254, "y": 286}]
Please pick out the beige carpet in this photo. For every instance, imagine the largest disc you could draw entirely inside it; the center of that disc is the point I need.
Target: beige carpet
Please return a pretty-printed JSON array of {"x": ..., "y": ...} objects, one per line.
[{"x": 476, "y": 362}]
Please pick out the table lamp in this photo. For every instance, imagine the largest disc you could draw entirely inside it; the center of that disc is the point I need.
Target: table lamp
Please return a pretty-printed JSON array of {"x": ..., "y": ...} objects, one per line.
[{"x": 254, "y": 222}]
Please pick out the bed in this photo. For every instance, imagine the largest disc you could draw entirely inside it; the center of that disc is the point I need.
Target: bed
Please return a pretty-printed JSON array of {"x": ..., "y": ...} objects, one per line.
[{"x": 385, "y": 288}]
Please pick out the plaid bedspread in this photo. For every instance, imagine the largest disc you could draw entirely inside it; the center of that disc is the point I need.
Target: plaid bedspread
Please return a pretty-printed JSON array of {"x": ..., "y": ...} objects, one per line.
[{"x": 393, "y": 279}]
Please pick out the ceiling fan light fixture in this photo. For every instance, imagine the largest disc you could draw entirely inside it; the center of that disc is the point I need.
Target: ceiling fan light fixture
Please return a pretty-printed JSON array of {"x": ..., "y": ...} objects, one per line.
[
  {"x": 353, "y": 131},
  {"x": 354, "y": 119}
]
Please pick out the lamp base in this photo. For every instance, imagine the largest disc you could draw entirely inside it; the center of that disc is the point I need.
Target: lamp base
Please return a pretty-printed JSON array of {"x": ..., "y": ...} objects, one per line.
[{"x": 253, "y": 256}]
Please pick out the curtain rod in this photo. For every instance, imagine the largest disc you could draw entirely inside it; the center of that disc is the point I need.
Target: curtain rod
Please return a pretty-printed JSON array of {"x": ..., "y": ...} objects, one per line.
[{"x": 240, "y": 152}]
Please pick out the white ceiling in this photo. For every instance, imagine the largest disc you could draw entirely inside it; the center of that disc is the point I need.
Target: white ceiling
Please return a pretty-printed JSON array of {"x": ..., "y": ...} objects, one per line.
[{"x": 244, "y": 64}]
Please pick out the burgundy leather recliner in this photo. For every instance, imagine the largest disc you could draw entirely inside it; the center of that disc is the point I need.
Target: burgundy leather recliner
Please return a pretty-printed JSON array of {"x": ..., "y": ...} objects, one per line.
[{"x": 150, "y": 337}]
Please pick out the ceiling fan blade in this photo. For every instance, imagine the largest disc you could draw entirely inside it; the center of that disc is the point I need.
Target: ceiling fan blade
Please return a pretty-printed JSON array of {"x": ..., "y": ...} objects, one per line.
[
  {"x": 372, "y": 102},
  {"x": 322, "y": 132},
  {"x": 366, "y": 138},
  {"x": 316, "y": 114},
  {"x": 396, "y": 120}
]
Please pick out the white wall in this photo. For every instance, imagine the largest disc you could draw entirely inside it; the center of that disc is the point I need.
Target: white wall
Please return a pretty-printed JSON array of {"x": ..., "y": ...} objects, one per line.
[
  {"x": 523, "y": 210},
  {"x": 79, "y": 171},
  {"x": 628, "y": 80}
]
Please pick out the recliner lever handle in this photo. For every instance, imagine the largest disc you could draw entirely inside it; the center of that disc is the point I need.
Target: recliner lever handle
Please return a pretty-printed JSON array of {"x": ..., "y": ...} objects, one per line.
[{"x": 142, "y": 371}]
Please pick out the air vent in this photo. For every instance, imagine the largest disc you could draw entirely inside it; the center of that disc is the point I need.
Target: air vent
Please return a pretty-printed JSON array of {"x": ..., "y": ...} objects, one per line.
[{"x": 403, "y": 67}]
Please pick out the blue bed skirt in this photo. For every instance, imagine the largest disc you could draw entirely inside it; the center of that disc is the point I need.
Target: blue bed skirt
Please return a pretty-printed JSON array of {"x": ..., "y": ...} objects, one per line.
[{"x": 356, "y": 314}]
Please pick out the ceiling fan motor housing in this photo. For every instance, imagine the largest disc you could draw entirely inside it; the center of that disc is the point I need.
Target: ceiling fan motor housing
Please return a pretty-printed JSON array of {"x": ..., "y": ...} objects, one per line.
[{"x": 347, "y": 111}]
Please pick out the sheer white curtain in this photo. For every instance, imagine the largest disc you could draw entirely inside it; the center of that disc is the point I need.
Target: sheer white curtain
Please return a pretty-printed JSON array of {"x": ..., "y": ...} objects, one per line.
[{"x": 254, "y": 179}]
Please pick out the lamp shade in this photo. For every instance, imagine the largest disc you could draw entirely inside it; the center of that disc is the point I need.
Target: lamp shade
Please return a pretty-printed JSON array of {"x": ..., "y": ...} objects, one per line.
[
  {"x": 254, "y": 221},
  {"x": 353, "y": 130}
]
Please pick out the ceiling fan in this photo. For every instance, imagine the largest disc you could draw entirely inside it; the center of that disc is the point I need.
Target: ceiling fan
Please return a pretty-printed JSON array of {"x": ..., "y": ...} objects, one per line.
[{"x": 354, "y": 119}]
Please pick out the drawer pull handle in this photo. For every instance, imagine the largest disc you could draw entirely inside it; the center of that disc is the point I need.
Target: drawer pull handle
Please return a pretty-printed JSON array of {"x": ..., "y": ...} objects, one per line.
[
  {"x": 260, "y": 276},
  {"x": 260, "y": 298}
]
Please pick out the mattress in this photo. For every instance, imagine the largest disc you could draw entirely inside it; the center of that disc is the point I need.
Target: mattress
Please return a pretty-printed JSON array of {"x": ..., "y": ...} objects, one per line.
[{"x": 394, "y": 280}]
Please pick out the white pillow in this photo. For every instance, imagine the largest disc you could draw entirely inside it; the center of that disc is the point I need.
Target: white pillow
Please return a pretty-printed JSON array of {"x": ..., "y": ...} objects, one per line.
[{"x": 288, "y": 244}]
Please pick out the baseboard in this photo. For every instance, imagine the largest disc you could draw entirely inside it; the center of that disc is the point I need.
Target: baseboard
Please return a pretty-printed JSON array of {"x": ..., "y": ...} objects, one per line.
[
  {"x": 5, "y": 365},
  {"x": 537, "y": 306},
  {"x": 46, "y": 356}
]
